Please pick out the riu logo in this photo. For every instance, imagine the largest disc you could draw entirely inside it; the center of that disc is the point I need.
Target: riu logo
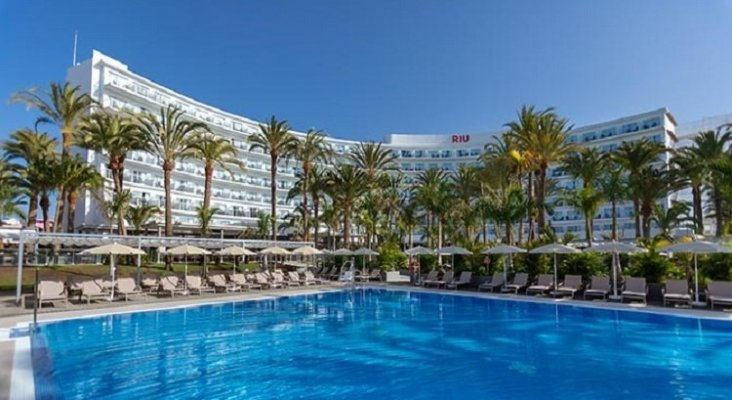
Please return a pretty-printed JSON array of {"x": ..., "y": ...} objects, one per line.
[{"x": 460, "y": 138}]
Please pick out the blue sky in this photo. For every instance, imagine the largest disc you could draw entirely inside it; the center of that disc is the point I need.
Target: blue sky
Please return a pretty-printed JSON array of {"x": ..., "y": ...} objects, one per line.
[{"x": 365, "y": 69}]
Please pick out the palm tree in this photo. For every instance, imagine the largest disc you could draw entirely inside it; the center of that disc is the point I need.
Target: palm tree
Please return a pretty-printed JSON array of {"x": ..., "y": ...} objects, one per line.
[
  {"x": 205, "y": 216},
  {"x": 115, "y": 135},
  {"x": 408, "y": 220},
  {"x": 78, "y": 177},
  {"x": 275, "y": 139},
  {"x": 586, "y": 164},
  {"x": 710, "y": 147},
  {"x": 613, "y": 184},
  {"x": 347, "y": 185},
  {"x": 295, "y": 222},
  {"x": 668, "y": 219},
  {"x": 432, "y": 193},
  {"x": 465, "y": 186},
  {"x": 690, "y": 169},
  {"x": 264, "y": 221},
  {"x": 634, "y": 157},
  {"x": 171, "y": 139},
  {"x": 656, "y": 186},
  {"x": 318, "y": 189},
  {"x": 29, "y": 153},
  {"x": 11, "y": 201},
  {"x": 139, "y": 216},
  {"x": 62, "y": 105},
  {"x": 312, "y": 149},
  {"x": 507, "y": 206},
  {"x": 214, "y": 151},
  {"x": 372, "y": 159},
  {"x": 543, "y": 135},
  {"x": 588, "y": 202}
]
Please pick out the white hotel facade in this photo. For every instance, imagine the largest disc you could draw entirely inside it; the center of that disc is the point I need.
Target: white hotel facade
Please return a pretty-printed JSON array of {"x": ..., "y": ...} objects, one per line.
[{"x": 244, "y": 195}]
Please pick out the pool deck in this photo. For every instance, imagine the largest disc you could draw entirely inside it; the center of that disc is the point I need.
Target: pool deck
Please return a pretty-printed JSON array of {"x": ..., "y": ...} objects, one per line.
[{"x": 15, "y": 368}]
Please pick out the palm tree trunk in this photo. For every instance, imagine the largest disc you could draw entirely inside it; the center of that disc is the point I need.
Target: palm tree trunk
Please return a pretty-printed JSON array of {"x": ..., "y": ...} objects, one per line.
[
  {"x": 719, "y": 219},
  {"x": 316, "y": 210},
  {"x": 71, "y": 200},
  {"x": 45, "y": 205},
  {"x": 59, "y": 212},
  {"x": 588, "y": 230},
  {"x": 121, "y": 228},
  {"x": 346, "y": 225},
  {"x": 529, "y": 212},
  {"x": 167, "y": 172},
  {"x": 636, "y": 214},
  {"x": 614, "y": 221},
  {"x": 485, "y": 232},
  {"x": 32, "y": 210},
  {"x": 207, "y": 184},
  {"x": 540, "y": 198},
  {"x": 305, "y": 182},
  {"x": 698, "y": 211},
  {"x": 273, "y": 192},
  {"x": 509, "y": 240}
]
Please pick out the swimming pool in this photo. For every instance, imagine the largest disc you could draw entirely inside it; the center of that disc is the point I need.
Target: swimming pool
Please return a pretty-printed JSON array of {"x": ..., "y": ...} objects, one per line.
[{"x": 384, "y": 344}]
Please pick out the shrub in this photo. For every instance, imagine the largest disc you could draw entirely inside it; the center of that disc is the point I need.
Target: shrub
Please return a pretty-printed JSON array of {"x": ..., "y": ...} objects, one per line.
[
  {"x": 391, "y": 257},
  {"x": 427, "y": 262},
  {"x": 585, "y": 264},
  {"x": 716, "y": 267},
  {"x": 653, "y": 266},
  {"x": 533, "y": 264}
]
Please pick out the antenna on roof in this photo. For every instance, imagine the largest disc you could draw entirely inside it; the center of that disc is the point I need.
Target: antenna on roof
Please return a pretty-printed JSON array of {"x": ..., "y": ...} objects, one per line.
[{"x": 73, "y": 62}]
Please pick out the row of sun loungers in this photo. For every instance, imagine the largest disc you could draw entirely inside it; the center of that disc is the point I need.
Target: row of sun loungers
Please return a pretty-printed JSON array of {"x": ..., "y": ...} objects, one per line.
[{"x": 126, "y": 288}]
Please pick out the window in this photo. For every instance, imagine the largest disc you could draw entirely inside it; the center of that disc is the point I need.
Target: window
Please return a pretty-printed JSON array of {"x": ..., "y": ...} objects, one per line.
[{"x": 446, "y": 153}]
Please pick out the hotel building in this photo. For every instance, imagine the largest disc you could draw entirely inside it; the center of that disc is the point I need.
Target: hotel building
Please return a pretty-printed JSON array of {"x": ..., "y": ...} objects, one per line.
[{"x": 244, "y": 195}]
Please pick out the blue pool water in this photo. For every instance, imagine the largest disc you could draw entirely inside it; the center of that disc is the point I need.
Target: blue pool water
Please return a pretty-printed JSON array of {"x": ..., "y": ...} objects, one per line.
[{"x": 380, "y": 344}]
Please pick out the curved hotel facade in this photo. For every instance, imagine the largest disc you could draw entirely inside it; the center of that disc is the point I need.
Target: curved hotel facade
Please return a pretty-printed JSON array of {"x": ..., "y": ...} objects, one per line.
[{"x": 244, "y": 195}]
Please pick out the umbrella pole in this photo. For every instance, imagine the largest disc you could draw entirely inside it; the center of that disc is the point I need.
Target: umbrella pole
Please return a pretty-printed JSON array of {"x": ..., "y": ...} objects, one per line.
[
  {"x": 111, "y": 265},
  {"x": 614, "y": 263},
  {"x": 696, "y": 280},
  {"x": 505, "y": 268},
  {"x": 185, "y": 272},
  {"x": 555, "y": 273}
]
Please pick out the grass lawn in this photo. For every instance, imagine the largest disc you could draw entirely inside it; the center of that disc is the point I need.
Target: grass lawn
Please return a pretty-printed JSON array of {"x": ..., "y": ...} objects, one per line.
[{"x": 8, "y": 275}]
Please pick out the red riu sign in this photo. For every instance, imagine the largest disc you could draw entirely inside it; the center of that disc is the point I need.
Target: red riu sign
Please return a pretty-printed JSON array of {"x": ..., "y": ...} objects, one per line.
[{"x": 460, "y": 138}]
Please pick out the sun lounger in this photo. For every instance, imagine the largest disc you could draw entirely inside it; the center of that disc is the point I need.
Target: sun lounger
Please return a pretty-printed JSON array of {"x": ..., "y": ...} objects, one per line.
[
  {"x": 446, "y": 277},
  {"x": 51, "y": 291},
  {"x": 169, "y": 285},
  {"x": 73, "y": 285},
  {"x": 243, "y": 283},
  {"x": 219, "y": 283},
  {"x": 496, "y": 282},
  {"x": 635, "y": 289},
  {"x": 309, "y": 277},
  {"x": 571, "y": 285},
  {"x": 465, "y": 279},
  {"x": 297, "y": 280},
  {"x": 719, "y": 292},
  {"x": 396, "y": 277},
  {"x": 94, "y": 290},
  {"x": 126, "y": 287},
  {"x": 196, "y": 285},
  {"x": 279, "y": 279},
  {"x": 431, "y": 277},
  {"x": 520, "y": 281},
  {"x": 599, "y": 286},
  {"x": 676, "y": 291},
  {"x": 544, "y": 284},
  {"x": 149, "y": 283}
]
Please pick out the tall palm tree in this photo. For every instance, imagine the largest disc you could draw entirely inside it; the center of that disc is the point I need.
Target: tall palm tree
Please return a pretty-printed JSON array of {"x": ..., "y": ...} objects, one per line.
[
  {"x": 432, "y": 193},
  {"x": 347, "y": 184},
  {"x": 372, "y": 159},
  {"x": 116, "y": 136},
  {"x": 635, "y": 157},
  {"x": 613, "y": 184},
  {"x": 205, "y": 216},
  {"x": 62, "y": 105},
  {"x": 668, "y": 219},
  {"x": 465, "y": 185},
  {"x": 408, "y": 220},
  {"x": 28, "y": 153},
  {"x": 78, "y": 177},
  {"x": 318, "y": 190},
  {"x": 275, "y": 139},
  {"x": 586, "y": 164},
  {"x": 264, "y": 222},
  {"x": 171, "y": 140},
  {"x": 11, "y": 200},
  {"x": 138, "y": 216},
  {"x": 587, "y": 200},
  {"x": 657, "y": 183},
  {"x": 544, "y": 135},
  {"x": 710, "y": 148},
  {"x": 691, "y": 169},
  {"x": 214, "y": 152},
  {"x": 312, "y": 149}
]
